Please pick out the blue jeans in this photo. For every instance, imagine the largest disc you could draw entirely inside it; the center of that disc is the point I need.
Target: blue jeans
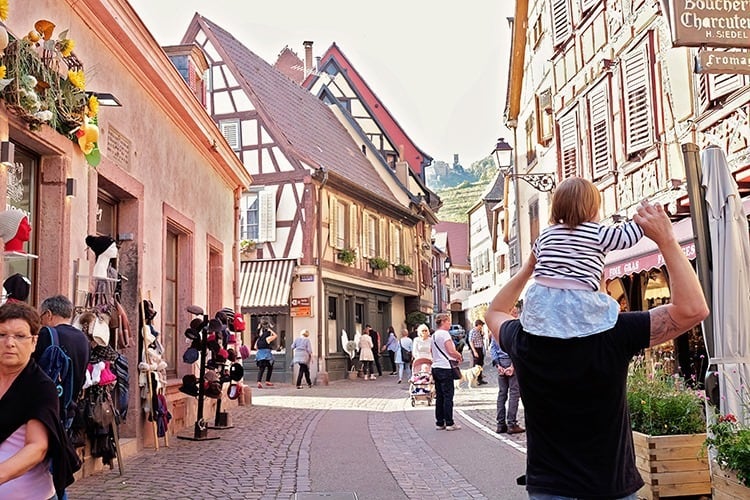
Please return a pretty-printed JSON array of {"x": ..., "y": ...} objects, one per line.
[
  {"x": 545, "y": 496},
  {"x": 443, "y": 378},
  {"x": 507, "y": 391}
]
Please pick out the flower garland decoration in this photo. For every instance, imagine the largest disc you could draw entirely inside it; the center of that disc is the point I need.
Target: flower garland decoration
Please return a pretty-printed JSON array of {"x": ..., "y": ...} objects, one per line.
[{"x": 4, "y": 10}]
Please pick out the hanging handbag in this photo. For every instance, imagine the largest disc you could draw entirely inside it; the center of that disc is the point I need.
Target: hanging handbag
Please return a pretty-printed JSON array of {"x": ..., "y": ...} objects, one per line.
[
  {"x": 455, "y": 368},
  {"x": 405, "y": 353}
]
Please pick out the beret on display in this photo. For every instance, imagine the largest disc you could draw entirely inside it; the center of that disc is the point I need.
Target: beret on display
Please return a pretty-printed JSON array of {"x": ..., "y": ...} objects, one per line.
[
  {"x": 99, "y": 244},
  {"x": 9, "y": 221},
  {"x": 236, "y": 372},
  {"x": 213, "y": 390},
  {"x": 233, "y": 391},
  {"x": 191, "y": 355},
  {"x": 214, "y": 325},
  {"x": 17, "y": 287},
  {"x": 189, "y": 385},
  {"x": 221, "y": 356}
]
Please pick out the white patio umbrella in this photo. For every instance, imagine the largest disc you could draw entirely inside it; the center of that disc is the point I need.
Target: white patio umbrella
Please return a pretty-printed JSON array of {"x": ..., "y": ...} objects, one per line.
[{"x": 730, "y": 251}]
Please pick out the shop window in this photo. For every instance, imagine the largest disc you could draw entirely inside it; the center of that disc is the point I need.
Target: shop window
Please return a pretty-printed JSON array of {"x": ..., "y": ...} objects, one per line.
[
  {"x": 332, "y": 301},
  {"x": 358, "y": 312},
  {"x": 22, "y": 193}
]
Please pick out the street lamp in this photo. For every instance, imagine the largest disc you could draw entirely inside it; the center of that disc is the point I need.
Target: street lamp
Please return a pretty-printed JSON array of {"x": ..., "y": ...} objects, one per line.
[
  {"x": 446, "y": 268},
  {"x": 504, "y": 156}
]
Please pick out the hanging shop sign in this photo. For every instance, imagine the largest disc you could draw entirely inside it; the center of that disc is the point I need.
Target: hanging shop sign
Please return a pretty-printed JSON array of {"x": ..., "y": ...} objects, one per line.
[
  {"x": 710, "y": 23},
  {"x": 644, "y": 262},
  {"x": 715, "y": 61},
  {"x": 300, "y": 306}
]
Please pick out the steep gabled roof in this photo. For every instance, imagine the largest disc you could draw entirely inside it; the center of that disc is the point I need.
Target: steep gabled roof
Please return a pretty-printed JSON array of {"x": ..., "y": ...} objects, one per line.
[
  {"x": 303, "y": 124},
  {"x": 457, "y": 235},
  {"x": 416, "y": 158}
]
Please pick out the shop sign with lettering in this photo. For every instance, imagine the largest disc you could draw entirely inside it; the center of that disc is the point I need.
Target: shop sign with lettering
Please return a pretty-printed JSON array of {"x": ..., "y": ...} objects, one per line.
[
  {"x": 714, "y": 61},
  {"x": 710, "y": 23}
]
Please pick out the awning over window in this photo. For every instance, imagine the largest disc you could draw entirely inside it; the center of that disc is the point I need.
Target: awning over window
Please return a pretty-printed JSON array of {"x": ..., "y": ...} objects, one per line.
[
  {"x": 645, "y": 255},
  {"x": 265, "y": 285}
]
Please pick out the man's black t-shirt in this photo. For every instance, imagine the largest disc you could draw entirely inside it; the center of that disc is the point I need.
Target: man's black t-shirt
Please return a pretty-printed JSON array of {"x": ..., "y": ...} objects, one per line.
[
  {"x": 77, "y": 347},
  {"x": 574, "y": 394}
]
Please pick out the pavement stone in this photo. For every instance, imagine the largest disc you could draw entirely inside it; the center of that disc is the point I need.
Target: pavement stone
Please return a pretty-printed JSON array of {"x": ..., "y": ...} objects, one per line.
[{"x": 272, "y": 448}]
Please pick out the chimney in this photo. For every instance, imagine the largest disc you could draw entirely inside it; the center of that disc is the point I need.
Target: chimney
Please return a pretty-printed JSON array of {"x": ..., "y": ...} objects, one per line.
[{"x": 308, "y": 57}]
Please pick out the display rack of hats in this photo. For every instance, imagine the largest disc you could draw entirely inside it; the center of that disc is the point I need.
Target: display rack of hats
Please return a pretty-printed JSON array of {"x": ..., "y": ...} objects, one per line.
[
  {"x": 213, "y": 346},
  {"x": 152, "y": 370},
  {"x": 98, "y": 313}
]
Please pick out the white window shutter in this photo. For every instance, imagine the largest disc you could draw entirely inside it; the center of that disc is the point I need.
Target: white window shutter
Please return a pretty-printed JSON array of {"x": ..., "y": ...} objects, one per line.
[
  {"x": 723, "y": 84},
  {"x": 587, "y": 4},
  {"x": 600, "y": 130},
  {"x": 332, "y": 220},
  {"x": 230, "y": 129},
  {"x": 383, "y": 238},
  {"x": 639, "y": 121},
  {"x": 341, "y": 225},
  {"x": 353, "y": 234},
  {"x": 569, "y": 144},
  {"x": 561, "y": 21},
  {"x": 366, "y": 250},
  {"x": 267, "y": 215}
]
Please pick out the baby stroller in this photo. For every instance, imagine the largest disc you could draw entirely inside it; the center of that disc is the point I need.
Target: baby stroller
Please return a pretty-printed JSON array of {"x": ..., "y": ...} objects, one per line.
[{"x": 421, "y": 385}]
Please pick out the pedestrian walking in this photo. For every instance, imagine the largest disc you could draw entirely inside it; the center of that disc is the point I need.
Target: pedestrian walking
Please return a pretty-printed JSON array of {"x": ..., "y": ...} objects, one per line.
[
  {"x": 375, "y": 337},
  {"x": 263, "y": 355},
  {"x": 507, "y": 391},
  {"x": 580, "y": 444},
  {"x": 366, "y": 356},
  {"x": 422, "y": 345},
  {"x": 403, "y": 354},
  {"x": 391, "y": 346},
  {"x": 443, "y": 352},
  {"x": 476, "y": 343},
  {"x": 302, "y": 349}
]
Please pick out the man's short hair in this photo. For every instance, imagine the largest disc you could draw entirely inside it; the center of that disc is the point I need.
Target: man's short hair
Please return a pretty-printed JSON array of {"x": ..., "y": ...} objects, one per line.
[{"x": 59, "y": 305}]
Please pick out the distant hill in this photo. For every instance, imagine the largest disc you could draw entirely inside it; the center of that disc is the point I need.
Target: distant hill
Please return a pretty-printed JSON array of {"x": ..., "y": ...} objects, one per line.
[
  {"x": 459, "y": 188},
  {"x": 457, "y": 200}
]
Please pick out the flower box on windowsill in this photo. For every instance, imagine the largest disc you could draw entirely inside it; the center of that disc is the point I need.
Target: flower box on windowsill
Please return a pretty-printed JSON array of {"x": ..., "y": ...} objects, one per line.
[
  {"x": 376, "y": 263},
  {"x": 403, "y": 270},
  {"x": 347, "y": 256}
]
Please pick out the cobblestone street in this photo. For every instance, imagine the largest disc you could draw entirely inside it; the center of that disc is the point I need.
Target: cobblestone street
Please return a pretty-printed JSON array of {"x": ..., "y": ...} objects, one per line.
[{"x": 350, "y": 438}]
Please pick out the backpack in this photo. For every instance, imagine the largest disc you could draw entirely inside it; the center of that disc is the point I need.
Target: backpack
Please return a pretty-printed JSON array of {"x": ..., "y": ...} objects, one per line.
[{"x": 58, "y": 366}]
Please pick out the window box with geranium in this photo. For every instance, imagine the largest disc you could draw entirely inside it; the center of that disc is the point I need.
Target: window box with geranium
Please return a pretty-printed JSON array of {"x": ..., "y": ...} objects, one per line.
[
  {"x": 729, "y": 448},
  {"x": 347, "y": 256},
  {"x": 403, "y": 270},
  {"x": 378, "y": 263},
  {"x": 668, "y": 423}
]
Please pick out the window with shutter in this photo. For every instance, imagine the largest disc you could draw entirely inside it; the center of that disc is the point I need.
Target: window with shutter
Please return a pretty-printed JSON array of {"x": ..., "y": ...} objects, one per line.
[
  {"x": 561, "y": 21},
  {"x": 396, "y": 255},
  {"x": 721, "y": 85},
  {"x": 341, "y": 225},
  {"x": 230, "y": 129},
  {"x": 702, "y": 94},
  {"x": 267, "y": 215},
  {"x": 600, "y": 130},
  {"x": 545, "y": 124},
  {"x": 249, "y": 217},
  {"x": 333, "y": 221},
  {"x": 353, "y": 232},
  {"x": 639, "y": 120},
  {"x": 382, "y": 237},
  {"x": 568, "y": 126}
]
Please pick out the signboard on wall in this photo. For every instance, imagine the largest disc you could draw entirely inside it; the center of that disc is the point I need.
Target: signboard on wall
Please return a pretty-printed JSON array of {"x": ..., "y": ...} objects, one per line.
[
  {"x": 300, "y": 307},
  {"x": 714, "y": 61},
  {"x": 710, "y": 23}
]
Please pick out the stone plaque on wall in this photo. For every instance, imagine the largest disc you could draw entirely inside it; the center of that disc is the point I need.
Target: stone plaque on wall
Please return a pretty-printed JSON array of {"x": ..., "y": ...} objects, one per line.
[{"x": 118, "y": 148}]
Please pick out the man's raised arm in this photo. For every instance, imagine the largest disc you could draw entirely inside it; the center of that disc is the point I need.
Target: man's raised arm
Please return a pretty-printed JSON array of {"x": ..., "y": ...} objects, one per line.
[
  {"x": 688, "y": 305},
  {"x": 499, "y": 309}
]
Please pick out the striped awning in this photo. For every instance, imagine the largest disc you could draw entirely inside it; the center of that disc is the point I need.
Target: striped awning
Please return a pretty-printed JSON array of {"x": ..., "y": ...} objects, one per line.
[{"x": 265, "y": 285}]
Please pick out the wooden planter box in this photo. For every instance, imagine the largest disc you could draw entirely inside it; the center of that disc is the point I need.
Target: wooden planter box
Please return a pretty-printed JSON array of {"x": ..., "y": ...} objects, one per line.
[
  {"x": 672, "y": 465},
  {"x": 726, "y": 486}
]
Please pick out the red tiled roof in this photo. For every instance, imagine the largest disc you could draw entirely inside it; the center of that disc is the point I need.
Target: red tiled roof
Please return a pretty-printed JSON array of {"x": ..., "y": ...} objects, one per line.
[
  {"x": 296, "y": 118},
  {"x": 416, "y": 158},
  {"x": 458, "y": 241}
]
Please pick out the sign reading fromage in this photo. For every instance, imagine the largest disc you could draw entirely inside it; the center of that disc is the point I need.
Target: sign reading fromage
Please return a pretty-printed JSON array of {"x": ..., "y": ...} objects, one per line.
[
  {"x": 714, "y": 61},
  {"x": 710, "y": 23}
]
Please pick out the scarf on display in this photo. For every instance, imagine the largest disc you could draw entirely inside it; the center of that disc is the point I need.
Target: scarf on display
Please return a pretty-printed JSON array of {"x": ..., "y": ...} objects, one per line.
[{"x": 33, "y": 396}]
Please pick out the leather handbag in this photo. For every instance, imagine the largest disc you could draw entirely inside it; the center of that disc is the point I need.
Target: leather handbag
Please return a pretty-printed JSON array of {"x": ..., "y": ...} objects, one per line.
[{"x": 455, "y": 368}]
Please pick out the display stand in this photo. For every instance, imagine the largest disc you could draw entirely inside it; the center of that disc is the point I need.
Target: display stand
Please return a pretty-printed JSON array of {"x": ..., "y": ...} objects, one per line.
[
  {"x": 200, "y": 430},
  {"x": 221, "y": 419}
]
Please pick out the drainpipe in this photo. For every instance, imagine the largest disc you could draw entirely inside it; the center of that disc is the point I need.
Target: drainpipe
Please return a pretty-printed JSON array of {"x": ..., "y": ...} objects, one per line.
[
  {"x": 236, "y": 252},
  {"x": 323, "y": 316}
]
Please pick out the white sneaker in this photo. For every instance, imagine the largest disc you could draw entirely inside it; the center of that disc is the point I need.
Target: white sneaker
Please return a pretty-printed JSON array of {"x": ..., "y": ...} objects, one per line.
[
  {"x": 372, "y": 377},
  {"x": 367, "y": 377},
  {"x": 453, "y": 427}
]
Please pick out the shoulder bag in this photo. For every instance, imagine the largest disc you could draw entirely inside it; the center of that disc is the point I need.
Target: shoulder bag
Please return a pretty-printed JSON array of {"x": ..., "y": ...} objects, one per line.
[{"x": 455, "y": 369}]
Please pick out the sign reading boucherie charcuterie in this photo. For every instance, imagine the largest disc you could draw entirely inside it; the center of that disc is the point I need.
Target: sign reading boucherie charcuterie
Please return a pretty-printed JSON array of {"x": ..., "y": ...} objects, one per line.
[{"x": 710, "y": 23}]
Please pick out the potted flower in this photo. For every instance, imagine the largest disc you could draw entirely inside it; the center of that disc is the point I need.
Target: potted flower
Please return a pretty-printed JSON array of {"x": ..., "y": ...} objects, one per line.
[
  {"x": 729, "y": 443},
  {"x": 247, "y": 247},
  {"x": 378, "y": 263},
  {"x": 347, "y": 256},
  {"x": 403, "y": 270},
  {"x": 668, "y": 423}
]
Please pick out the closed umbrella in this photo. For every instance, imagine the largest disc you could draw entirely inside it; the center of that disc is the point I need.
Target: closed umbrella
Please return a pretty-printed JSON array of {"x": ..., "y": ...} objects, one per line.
[{"x": 730, "y": 251}]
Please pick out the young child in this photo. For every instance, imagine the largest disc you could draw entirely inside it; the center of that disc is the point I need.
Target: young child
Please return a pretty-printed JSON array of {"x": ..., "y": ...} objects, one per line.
[{"x": 564, "y": 300}]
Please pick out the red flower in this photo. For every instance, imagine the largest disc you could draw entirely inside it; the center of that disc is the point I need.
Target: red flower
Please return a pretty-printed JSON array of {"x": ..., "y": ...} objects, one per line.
[{"x": 728, "y": 418}]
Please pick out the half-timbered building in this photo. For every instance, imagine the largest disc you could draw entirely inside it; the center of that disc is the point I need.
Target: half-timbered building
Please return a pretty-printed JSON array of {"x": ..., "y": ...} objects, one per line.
[{"x": 334, "y": 235}]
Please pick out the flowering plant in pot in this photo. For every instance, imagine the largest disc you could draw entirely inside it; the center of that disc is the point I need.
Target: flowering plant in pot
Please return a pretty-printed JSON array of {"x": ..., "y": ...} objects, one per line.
[
  {"x": 347, "y": 255},
  {"x": 378, "y": 263},
  {"x": 403, "y": 269},
  {"x": 731, "y": 441}
]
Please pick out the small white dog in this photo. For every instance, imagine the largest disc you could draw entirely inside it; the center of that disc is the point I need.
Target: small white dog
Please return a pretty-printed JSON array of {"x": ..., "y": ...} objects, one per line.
[{"x": 470, "y": 376}]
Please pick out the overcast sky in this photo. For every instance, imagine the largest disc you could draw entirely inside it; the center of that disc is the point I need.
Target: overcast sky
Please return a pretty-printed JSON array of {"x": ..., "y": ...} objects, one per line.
[{"x": 439, "y": 66}]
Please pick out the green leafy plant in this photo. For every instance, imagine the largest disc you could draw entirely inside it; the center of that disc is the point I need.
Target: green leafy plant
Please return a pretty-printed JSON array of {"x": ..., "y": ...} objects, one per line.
[
  {"x": 661, "y": 404},
  {"x": 347, "y": 256},
  {"x": 378, "y": 263},
  {"x": 731, "y": 441},
  {"x": 403, "y": 269},
  {"x": 247, "y": 245},
  {"x": 415, "y": 318}
]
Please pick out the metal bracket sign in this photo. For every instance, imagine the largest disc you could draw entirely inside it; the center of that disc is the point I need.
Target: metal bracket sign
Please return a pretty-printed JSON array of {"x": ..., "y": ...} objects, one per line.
[
  {"x": 716, "y": 61},
  {"x": 300, "y": 307}
]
